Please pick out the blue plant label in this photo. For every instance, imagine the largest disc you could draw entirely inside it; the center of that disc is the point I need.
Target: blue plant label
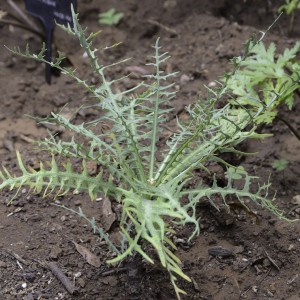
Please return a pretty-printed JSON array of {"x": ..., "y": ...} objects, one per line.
[{"x": 49, "y": 12}]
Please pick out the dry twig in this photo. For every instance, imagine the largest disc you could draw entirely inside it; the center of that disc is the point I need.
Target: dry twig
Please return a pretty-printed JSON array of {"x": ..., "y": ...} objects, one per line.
[
  {"x": 17, "y": 257},
  {"x": 164, "y": 27},
  {"x": 67, "y": 283}
]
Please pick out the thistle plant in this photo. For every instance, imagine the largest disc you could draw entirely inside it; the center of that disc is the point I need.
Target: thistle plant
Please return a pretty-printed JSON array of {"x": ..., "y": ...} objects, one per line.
[{"x": 148, "y": 174}]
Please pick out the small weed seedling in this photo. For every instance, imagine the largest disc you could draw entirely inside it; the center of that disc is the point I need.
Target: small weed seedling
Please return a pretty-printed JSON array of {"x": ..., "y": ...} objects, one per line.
[
  {"x": 148, "y": 174},
  {"x": 280, "y": 164},
  {"x": 110, "y": 17},
  {"x": 289, "y": 8}
]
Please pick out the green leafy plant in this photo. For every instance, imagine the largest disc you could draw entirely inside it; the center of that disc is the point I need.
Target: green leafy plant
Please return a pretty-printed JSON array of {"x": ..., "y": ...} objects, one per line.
[
  {"x": 289, "y": 8},
  {"x": 150, "y": 174},
  {"x": 280, "y": 164},
  {"x": 110, "y": 17},
  {"x": 263, "y": 82}
]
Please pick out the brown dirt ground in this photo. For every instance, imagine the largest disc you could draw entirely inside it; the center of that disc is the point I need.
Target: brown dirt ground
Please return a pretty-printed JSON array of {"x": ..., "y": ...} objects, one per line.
[{"x": 201, "y": 36}]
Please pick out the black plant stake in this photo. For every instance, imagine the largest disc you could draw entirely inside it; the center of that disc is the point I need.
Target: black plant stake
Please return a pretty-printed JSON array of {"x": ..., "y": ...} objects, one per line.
[{"x": 49, "y": 12}]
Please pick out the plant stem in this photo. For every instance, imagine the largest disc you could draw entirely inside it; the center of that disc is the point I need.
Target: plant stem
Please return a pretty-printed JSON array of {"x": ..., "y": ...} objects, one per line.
[
  {"x": 23, "y": 16},
  {"x": 155, "y": 118},
  {"x": 291, "y": 26},
  {"x": 23, "y": 26},
  {"x": 288, "y": 124}
]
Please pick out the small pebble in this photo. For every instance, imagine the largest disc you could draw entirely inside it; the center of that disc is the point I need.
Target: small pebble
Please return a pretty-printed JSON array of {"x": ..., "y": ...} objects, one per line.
[
  {"x": 212, "y": 84},
  {"x": 55, "y": 252},
  {"x": 169, "y": 4},
  {"x": 272, "y": 287},
  {"x": 53, "y": 214},
  {"x": 184, "y": 79},
  {"x": 77, "y": 274},
  {"x": 266, "y": 263},
  {"x": 81, "y": 282},
  {"x": 31, "y": 66},
  {"x": 63, "y": 218},
  {"x": 296, "y": 200},
  {"x": 77, "y": 203},
  {"x": 3, "y": 264}
]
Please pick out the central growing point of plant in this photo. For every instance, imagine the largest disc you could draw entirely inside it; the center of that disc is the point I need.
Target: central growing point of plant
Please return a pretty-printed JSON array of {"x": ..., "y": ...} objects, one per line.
[{"x": 150, "y": 181}]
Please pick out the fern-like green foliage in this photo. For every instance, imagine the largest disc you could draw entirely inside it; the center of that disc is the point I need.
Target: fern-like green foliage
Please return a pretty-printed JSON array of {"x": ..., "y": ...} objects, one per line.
[
  {"x": 152, "y": 183},
  {"x": 263, "y": 82}
]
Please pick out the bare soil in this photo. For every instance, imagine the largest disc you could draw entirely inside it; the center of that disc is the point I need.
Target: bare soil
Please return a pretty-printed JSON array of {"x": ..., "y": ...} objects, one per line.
[{"x": 201, "y": 37}]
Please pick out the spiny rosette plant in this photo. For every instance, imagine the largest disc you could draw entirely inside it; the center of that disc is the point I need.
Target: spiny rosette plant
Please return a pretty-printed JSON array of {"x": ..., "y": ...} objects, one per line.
[
  {"x": 264, "y": 81},
  {"x": 152, "y": 183}
]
